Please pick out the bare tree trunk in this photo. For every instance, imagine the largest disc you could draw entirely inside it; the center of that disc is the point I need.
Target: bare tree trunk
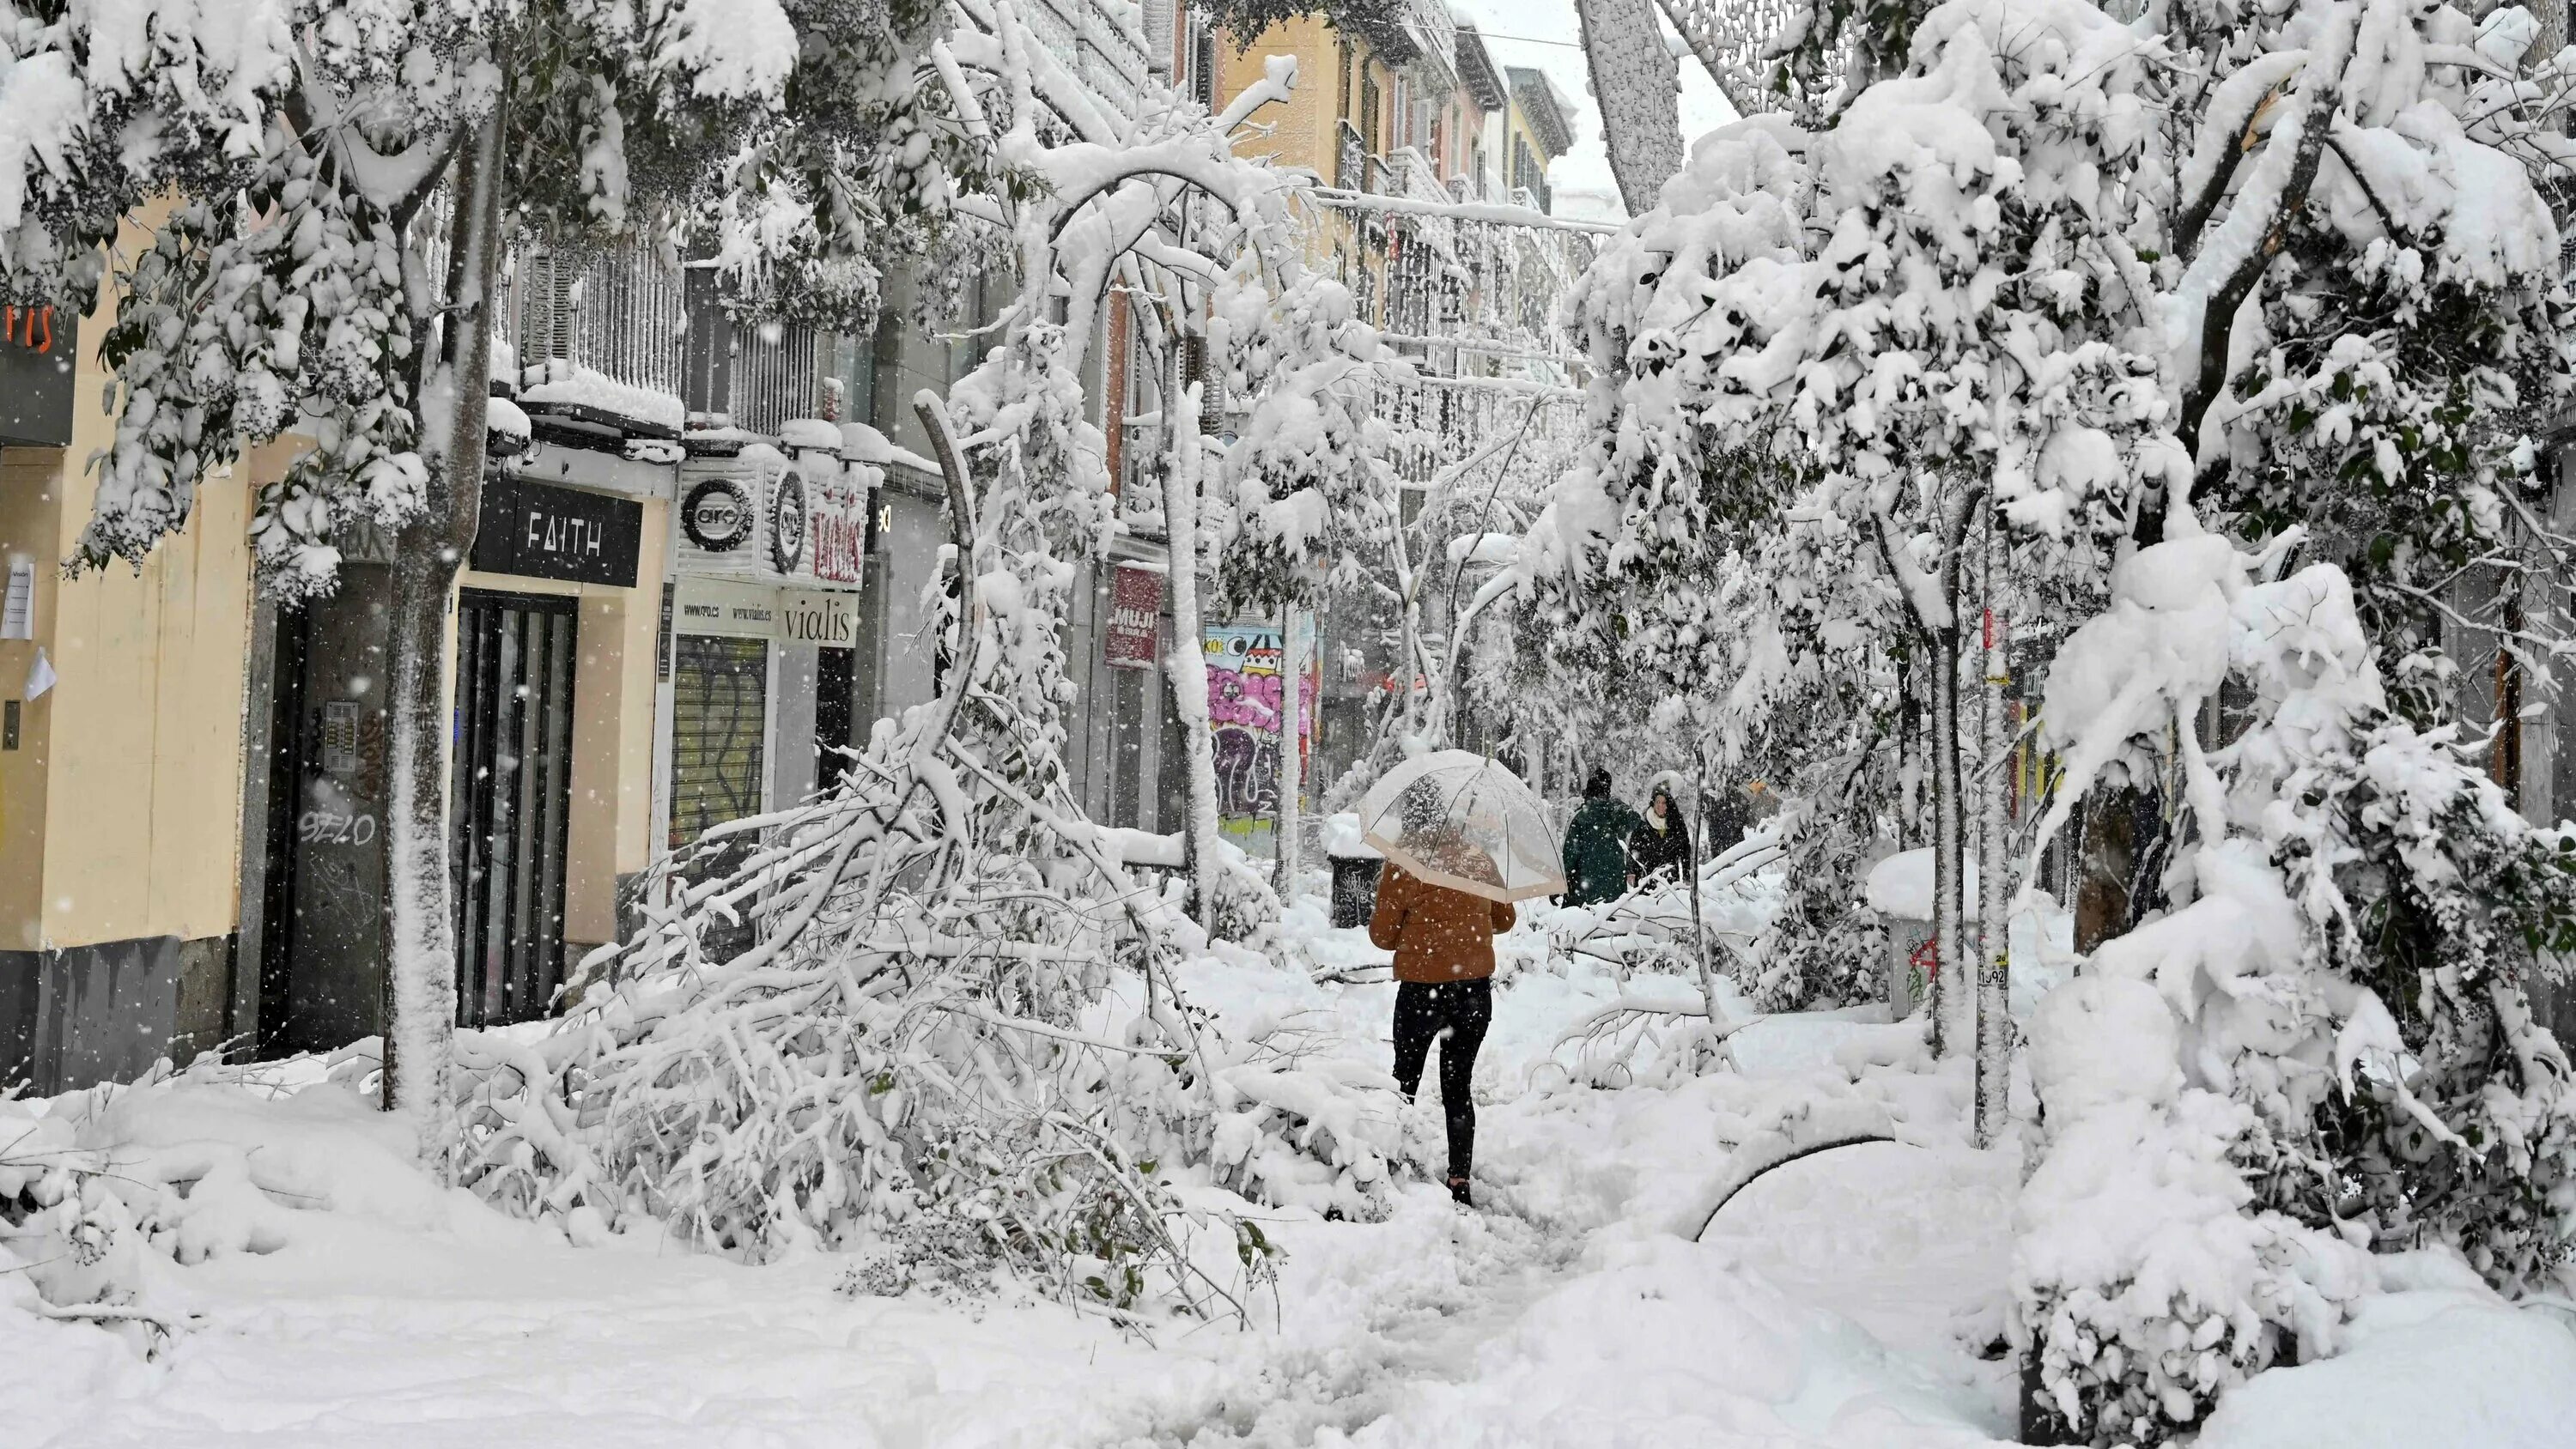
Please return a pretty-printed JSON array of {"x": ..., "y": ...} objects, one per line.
[
  {"x": 1292, "y": 783},
  {"x": 1951, "y": 998},
  {"x": 1690, "y": 860},
  {"x": 2106, "y": 862},
  {"x": 1189, "y": 657},
  {"x": 420, "y": 928},
  {"x": 1948, "y": 890},
  {"x": 1994, "y": 964}
]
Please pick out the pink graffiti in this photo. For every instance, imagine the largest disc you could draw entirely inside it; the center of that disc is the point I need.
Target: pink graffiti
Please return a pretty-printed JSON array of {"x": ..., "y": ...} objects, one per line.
[{"x": 1252, "y": 700}]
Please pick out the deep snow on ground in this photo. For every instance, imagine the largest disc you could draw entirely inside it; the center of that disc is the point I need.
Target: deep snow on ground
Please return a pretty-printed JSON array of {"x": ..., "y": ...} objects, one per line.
[{"x": 1840, "y": 1300}]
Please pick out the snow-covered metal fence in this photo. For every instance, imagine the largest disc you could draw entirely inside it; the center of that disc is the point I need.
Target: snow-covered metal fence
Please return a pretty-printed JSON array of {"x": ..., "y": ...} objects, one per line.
[{"x": 618, "y": 311}]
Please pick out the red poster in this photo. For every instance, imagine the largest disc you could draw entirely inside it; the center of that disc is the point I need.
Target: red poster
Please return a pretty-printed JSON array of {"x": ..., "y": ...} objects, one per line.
[
  {"x": 839, "y": 505},
  {"x": 1135, "y": 617}
]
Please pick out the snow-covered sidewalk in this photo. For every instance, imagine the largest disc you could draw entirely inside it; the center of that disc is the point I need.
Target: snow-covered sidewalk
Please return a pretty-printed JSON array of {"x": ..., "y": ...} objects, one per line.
[{"x": 1840, "y": 1301}]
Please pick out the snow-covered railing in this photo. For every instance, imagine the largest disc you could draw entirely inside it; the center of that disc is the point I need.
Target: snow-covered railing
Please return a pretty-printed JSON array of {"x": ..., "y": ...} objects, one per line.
[
  {"x": 777, "y": 374},
  {"x": 1100, "y": 42},
  {"x": 1418, "y": 177},
  {"x": 620, "y": 314}
]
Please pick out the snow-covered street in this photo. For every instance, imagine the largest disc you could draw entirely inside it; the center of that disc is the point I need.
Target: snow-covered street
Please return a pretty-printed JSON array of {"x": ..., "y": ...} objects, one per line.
[
  {"x": 1833, "y": 1304},
  {"x": 1850, "y": 1299},
  {"x": 1287, "y": 724}
]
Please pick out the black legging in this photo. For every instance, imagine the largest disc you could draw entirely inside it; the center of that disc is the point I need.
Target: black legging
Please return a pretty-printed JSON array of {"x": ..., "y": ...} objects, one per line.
[{"x": 1463, "y": 1009}]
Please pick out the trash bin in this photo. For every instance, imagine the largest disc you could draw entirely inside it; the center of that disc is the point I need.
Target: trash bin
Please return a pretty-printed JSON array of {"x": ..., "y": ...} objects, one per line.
[
  {"x": 1354, "y": 889},
  {"x": 1355, "y": 864}
]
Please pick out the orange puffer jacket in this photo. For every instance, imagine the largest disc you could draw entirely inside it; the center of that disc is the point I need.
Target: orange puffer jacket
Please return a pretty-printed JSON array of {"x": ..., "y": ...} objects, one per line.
[{"x": 1437, "y": 934}]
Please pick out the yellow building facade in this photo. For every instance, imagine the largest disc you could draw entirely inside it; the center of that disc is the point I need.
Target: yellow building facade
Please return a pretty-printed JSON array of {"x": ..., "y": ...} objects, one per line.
[
  {"x": 188, "y": 838},
  {"x": 122, "y": 694}
]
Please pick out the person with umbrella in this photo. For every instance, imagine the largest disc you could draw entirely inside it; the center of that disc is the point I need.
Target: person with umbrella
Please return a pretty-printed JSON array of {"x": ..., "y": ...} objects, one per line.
[
  {"x": 1596, "y": 845},
  {"x": 1660, "y": 845},
  {"x": 1463, "y": 838}
]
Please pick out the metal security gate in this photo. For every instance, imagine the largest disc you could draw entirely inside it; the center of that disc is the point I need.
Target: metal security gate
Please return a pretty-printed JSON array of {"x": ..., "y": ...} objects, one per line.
[
  {"x": 719, "y": 733},
  {"x": 515, "y": 662},
  {"x": 719, "y": 757}
]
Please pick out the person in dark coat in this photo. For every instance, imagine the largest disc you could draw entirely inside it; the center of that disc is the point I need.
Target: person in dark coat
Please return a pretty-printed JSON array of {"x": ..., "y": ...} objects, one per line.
[
  {"x": 1660, "y": 845},
  {"x": 1596, "y": 845}
]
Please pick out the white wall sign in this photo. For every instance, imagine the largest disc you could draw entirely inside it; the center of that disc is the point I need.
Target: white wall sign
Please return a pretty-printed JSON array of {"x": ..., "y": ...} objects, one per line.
[{"x": 822, "y": 617}]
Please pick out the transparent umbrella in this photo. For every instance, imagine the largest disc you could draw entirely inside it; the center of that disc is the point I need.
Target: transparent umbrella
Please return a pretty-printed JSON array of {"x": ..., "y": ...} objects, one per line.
[{"x": 1458, "y": 819}]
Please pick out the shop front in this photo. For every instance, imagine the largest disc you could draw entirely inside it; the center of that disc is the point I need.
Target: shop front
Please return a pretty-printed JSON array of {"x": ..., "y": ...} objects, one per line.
[
  {"x": 760, "y": 664},
  {"x": 550, "y": 744}
]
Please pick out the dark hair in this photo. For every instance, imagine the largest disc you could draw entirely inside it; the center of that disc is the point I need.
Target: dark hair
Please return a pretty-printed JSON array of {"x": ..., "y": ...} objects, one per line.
[{"x": 1596, "y": 784}]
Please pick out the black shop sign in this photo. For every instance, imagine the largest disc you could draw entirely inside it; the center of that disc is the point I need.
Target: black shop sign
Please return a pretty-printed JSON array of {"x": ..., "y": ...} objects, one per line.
[{"x": 539, "y": 531}]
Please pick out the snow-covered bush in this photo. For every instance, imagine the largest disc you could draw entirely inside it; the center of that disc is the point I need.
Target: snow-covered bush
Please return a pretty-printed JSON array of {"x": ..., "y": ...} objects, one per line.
[
  {"x": 2339, "y": 993},
  {"x": 102, "y": 1189},
  {"x": 2146, "y": 1282},
  {"x": 68, "y": 1239},
  {"x": 1247, "y": 909},
  {"x": 1825, "y": 947}
]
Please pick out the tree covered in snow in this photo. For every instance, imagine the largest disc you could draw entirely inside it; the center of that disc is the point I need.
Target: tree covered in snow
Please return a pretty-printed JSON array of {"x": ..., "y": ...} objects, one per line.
[
  {"x": 956, "y": 1040},
  {"x": 1305, "y": 497},
  {"x": 319, "y": 196},
  {"x": 2058, "y": 288},
  {"x": 2367, "y": 304},
  {"x": 1824, "y": 359},
  {"x": 2337, "y": 1002}
]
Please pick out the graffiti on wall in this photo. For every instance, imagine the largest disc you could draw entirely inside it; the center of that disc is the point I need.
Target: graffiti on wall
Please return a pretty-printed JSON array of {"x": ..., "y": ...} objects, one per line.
[{"x": 1245, "y": 699}]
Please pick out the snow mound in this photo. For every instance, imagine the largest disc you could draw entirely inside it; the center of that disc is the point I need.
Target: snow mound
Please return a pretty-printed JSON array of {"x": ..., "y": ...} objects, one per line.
[
  {"x": 1901, "y": 885},
  {"x": 2453, "y": 1365},
  {"x": 810, "y": 433}
]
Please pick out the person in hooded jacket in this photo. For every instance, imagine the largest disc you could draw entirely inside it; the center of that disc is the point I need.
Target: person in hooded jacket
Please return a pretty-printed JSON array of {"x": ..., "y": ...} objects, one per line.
[
  {"x": 1596, "y": 845},
  {"x": 1660, "y": 845},
  {"x": 1443, "y": 940}
]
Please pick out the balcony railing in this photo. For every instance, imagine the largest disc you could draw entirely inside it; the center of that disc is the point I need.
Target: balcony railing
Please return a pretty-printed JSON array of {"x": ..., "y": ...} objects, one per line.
[
  {"x": 1435, "y": 30},
  {"x": 777, "y": 374},
  {"x": 1094, "y": 42},
  {"x": 1414, "y": 176},
  {"x": 1350, "y": 163},
  {"x": 620, "y": 313}
]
